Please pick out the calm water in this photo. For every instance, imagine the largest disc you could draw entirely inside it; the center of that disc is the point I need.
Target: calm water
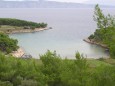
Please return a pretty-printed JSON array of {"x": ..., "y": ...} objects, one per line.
[{"x": 70, "y": 27}]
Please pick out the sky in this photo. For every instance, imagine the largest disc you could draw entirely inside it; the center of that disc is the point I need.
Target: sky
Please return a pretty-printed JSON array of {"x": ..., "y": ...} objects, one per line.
[
  {"x": 105, "y": 2},
  {"x": 77, "y": 1}
]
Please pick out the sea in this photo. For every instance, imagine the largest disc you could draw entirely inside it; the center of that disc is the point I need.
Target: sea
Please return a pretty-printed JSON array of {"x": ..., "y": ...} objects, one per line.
[{"x": 69, "y": 28}]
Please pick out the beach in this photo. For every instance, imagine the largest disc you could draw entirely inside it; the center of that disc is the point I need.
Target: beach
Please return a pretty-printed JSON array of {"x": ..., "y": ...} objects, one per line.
[
  {"x": 27, "y": 30},
  {"x": 19, "y": 53}
]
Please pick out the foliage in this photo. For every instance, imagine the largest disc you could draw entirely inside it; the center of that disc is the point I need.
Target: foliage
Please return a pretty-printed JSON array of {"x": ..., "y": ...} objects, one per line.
[
  {"x": 7, "y": 44},
  {"x": 6, "y": 83},
  {"x": 17, "y": 22},
  {"x": 75, "y": 73},
  {"x": 112, "y": 51},
  {"x": 91, "y": 36},
  {"x": 54, "y": 71},
  {"x": 105, "y": 33},
  {"x": 51, "y": 68},
  {"x": 103, "y": 22},
  {"x": 20, "y": 72}
]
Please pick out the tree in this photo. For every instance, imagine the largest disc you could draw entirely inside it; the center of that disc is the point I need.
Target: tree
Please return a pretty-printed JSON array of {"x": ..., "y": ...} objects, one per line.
[
  {"x": 99, "y": 17},
  {"x": 6, "y": 83},
  {"x": 106, "y": 28},
  {"x": 51, "y": 68},
  {"x": 103, "y": 22},
  {"x": 75, "y": 72},
  {"x": 7, "y": 44}
]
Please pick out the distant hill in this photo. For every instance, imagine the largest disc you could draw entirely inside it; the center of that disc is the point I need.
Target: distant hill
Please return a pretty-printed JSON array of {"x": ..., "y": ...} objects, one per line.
[{"x": 43, "y": 4}]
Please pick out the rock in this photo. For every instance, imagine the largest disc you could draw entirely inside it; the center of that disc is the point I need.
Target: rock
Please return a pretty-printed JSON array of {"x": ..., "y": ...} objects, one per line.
[
  {"x": 19, "y": 53},
  {"x": 50, "y": 27},
  {"x": 26, "y": 56}
]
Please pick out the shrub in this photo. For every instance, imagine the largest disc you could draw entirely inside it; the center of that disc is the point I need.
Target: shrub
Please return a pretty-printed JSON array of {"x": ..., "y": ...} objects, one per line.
[{"x": 7, "y": 44}]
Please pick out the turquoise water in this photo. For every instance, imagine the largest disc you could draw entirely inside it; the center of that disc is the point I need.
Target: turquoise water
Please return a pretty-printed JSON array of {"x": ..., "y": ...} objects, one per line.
[{"x": 70, "y": 27}]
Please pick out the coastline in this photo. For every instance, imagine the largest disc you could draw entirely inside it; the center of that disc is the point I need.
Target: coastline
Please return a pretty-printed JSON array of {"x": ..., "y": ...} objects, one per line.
[
  {"x": 27, "y": 30},
  {"x": 95, "y": 43},
  {"x": 18, "y": 53}
]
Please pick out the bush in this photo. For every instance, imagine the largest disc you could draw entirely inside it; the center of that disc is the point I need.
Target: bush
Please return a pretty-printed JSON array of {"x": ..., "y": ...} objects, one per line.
[
  {"x": 54, "y": 71},
  {"x": 28, "y": 83},
  {"x": 6, "y": 83},
  {"x": 105, "y": 33},
  {"x": 112, "y": 51},
  {"x": 7, "y": 44},
  {"x": 91, "y": 36},
  {"x": 17, "y": 22}
]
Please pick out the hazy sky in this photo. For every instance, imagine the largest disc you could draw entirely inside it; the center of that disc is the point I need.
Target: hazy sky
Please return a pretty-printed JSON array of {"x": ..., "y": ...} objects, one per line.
[
  {"x": 78, "y": 1},
  {"x": 107, "y": 2}
]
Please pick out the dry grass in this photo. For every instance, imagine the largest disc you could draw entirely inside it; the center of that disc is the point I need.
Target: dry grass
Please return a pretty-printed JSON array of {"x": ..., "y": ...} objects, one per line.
[{"x": 5, "y": 28}]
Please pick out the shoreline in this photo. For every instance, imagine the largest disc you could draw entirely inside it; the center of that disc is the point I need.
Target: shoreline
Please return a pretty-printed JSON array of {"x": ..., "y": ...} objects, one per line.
[
  {"x": 27, "y": 30},
  {"x": 95, "y": 43},
  {"x": 18, "y": 53}
]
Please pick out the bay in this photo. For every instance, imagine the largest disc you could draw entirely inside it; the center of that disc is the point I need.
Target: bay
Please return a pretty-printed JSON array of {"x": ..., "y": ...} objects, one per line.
[{"x": 70, "y": 27}]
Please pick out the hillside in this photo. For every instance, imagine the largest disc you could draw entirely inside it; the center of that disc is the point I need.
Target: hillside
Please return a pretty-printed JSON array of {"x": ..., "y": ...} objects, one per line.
[{"x": 43, "y": 4}]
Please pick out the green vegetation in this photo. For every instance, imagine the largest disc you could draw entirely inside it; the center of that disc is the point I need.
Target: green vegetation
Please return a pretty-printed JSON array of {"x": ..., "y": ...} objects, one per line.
[
  {"x": 105, "y": 34},
  {"x": 7, "y": 44},
  {"x": 51, "y": 70},
  {"x": 8, "y": 24},
  {"x": 17, "y": 22}
]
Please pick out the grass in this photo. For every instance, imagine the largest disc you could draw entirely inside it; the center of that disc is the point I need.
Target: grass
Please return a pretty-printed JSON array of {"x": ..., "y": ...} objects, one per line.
[
  {"x": 96, "y": 63},
  {"x": 7, "y": 27},
  {"x": 110, "y": 61},
  {"x": 91, "y": 62},
  {"x": 38, "y": 61}
]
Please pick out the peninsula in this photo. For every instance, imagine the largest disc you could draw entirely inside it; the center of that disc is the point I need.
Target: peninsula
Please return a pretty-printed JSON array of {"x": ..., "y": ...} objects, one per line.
[{"x": 9, "y": 25}]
